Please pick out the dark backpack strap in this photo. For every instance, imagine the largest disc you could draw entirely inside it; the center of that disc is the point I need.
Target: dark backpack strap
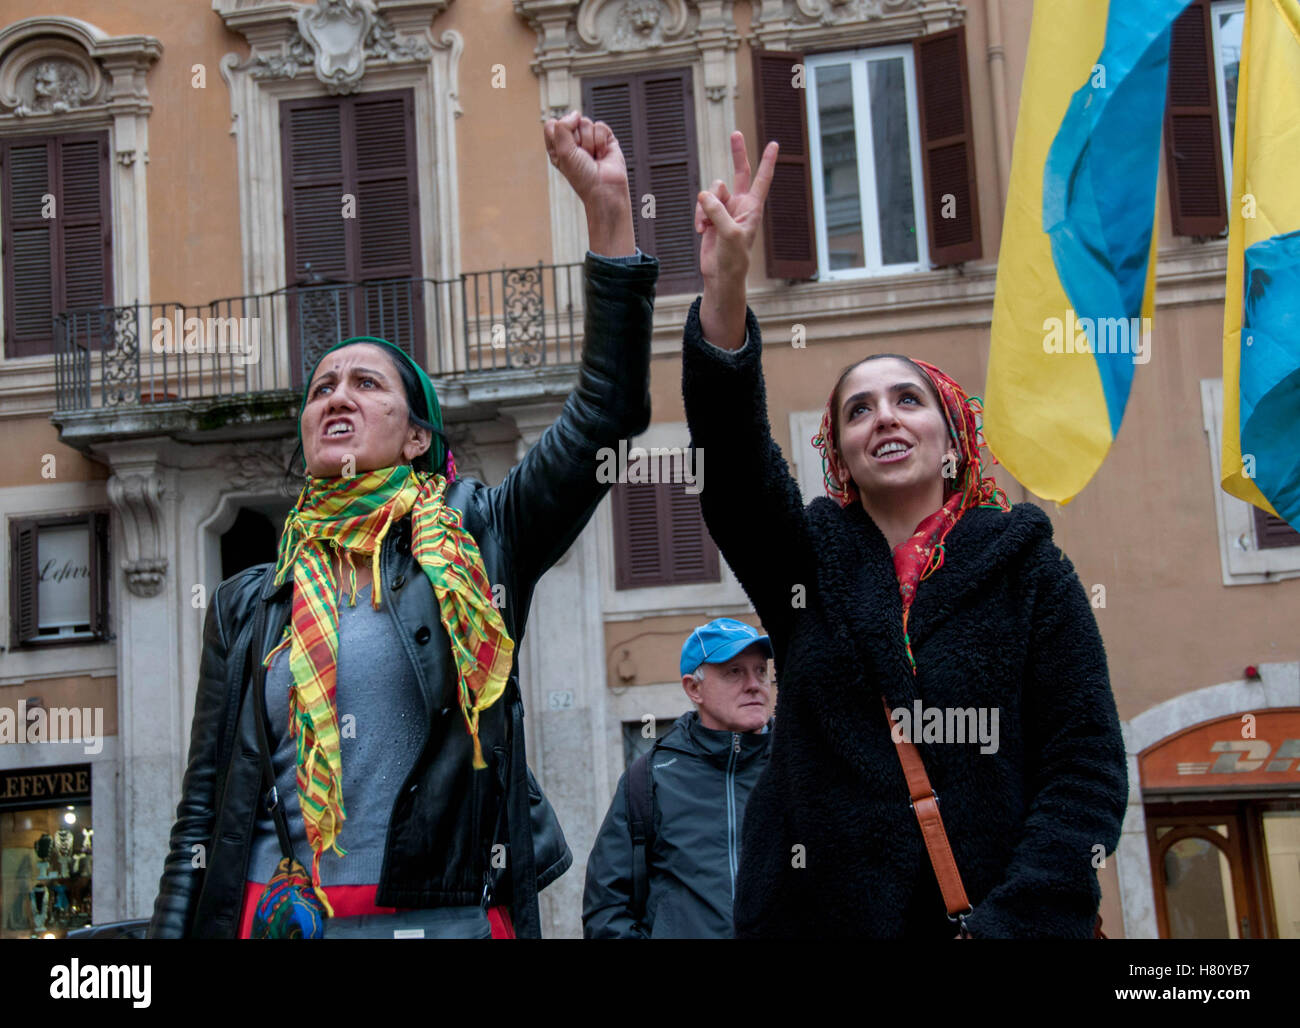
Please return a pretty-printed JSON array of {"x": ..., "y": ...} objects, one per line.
[{"x": 640, "y": 816}]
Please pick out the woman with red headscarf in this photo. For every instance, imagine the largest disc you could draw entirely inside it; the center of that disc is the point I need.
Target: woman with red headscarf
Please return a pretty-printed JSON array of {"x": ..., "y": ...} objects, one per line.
[{"x": 915, "y": 582}]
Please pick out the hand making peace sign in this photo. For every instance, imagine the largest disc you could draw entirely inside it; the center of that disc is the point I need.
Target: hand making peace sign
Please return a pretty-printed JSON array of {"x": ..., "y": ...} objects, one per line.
[{"x": 728, "y": 220}]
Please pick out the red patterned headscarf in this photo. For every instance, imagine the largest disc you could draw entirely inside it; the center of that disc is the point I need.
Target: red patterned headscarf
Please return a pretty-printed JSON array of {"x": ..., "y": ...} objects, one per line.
[{"x": 921, "y": 555}]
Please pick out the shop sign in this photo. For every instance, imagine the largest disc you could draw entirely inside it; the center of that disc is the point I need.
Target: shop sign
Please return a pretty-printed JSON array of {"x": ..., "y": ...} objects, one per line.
[
  {"x": 1252, "y": 748},
  {"x": 55, "y": 784}
]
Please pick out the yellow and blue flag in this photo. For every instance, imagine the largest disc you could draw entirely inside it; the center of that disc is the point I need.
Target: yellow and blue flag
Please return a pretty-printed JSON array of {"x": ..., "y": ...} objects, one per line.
[
  {"x": 1261, "y": 325},
  {"x": 1076, "y": 271}
]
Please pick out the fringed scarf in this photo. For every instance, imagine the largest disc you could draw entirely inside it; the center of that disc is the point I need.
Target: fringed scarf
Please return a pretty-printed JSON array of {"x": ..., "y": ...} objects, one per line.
[
  {"x": 351, "y": 516},
  {"x": 922, "y": 553}
]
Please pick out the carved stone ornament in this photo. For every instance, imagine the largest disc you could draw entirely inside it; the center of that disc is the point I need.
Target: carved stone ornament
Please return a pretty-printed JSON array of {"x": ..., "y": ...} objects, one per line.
[
  {"x": 838, "y": 12},
  {"x": 138, "y": 500},
  {"x": 256, "y": 467},
  {"x": 49, "y": 77},
  {"x": 335, "y": 38},
  {"x": 55, "y": 66},
  {"x": 619, "y": 26}
]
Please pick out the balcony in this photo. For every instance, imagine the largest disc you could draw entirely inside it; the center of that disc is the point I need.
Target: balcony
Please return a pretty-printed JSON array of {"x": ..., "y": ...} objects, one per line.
[{"x": 234, "y": 368}]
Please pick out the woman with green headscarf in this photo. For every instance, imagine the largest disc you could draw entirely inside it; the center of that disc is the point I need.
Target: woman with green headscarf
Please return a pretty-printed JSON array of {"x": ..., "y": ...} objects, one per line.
[{"x": 357, "y": 764}]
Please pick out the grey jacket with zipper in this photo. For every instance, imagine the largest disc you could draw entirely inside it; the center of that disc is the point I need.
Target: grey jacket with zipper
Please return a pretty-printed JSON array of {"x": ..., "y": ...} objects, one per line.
[{"x": 701, "y": 783}]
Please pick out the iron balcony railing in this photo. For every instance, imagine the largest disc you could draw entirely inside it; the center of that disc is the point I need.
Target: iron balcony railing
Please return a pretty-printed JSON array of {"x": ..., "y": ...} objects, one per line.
[{"x": 511, "y": 318}]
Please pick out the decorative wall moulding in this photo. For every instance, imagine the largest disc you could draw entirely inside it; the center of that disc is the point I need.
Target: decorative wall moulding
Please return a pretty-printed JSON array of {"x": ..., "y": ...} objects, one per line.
[
  {"x": 54, "y": 66},
  {"x": 137, "y": 497},
  {"x": 590, "y": 34},
  {"x": 337, "y": 40},
  {"x": 806, "y": 24}
]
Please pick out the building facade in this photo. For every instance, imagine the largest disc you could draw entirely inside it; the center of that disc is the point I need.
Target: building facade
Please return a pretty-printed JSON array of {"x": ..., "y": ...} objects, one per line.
[{"x": 198, "y": 197}]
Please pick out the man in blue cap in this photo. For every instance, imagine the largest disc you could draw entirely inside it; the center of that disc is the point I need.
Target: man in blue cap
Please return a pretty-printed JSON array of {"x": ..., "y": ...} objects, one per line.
[{"x": 665, "y": 859}]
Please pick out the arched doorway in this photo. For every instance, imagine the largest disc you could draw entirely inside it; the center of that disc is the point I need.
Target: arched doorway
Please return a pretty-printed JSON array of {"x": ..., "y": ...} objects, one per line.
[{"x": 1222, "y": 813}]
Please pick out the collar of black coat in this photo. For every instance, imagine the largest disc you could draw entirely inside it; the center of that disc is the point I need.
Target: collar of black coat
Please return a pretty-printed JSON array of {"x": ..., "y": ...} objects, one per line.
[{"x": 859, "y": 588}]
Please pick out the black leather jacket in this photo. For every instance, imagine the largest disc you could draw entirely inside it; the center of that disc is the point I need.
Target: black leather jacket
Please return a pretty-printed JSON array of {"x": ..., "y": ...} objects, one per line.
[{"x": 447, "y": 817}]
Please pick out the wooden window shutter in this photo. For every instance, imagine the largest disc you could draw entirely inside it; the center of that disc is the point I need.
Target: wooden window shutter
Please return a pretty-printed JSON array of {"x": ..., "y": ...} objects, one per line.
[
  {"x": 84, "y": 222},
  {"x": 23, "y": 613},
  {"x": 672, "y": 166},
  {"x": 312, "y": 150},
  {"x": 613, "y": 102},
  {"x": 1272, "y": 532},
  {"x": 947, "y": 147},
  {"x": 361, "y": 147},
  {"x": 53, "y": 264},
  {"x": 660, "y": 537},
  {"x": 694, "y": 553},
  {"x": 1193, "y": 152},
  {"x": 387, "y": 222},
  {"x": 640, "y": 543},
  {"x": 653, "y": 116},
  {"x": 788, "y": 241},
  {"x": 99, "y": 573}
]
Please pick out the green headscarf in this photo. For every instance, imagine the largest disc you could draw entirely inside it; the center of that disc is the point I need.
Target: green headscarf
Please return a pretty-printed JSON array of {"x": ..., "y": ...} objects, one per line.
[{"x": 437, "y": 452}]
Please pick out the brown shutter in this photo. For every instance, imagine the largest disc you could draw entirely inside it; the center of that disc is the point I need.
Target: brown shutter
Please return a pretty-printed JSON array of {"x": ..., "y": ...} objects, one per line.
[
  {"x": 1193, "y": 152},
  {"x": 612, "y": 101},
  {"x": 639, "y": 537},
  {"x": 23, "y": 613},
  {"x": 694, "y": 553},
  {"x": 672, "y": 165},
  {"x": 659, "y": 535},
  {"x": 99, "y": 574},
  {"x": 653, "y": 116},
  {"x": 1272, "y": 532},
  {"x": 314, "y": 228},
  {"x": 84, "y": 222},
  {"x": 364, "y": 147},
  {"x": 947, "y": 146},
  {"x": 53, "y": 264},
  {"x": 789, "y": 244},
  {"x": 387, "y": 223}
]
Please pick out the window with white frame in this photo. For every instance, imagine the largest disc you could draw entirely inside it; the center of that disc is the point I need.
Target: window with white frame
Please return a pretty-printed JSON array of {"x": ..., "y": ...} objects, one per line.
[
  {"x": 1227, "y": 20},
  {"x": 868, "y": 199}
]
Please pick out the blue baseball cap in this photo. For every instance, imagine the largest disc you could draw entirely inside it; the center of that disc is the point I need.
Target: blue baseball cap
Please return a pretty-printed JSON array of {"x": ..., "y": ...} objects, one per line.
[{"x": 719, "y": 640}]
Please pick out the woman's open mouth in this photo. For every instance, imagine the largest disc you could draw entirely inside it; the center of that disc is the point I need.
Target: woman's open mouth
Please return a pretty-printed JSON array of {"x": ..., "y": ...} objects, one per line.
[
  {"x": 340, "y": 429},
  {"x": 892, "y": 453}
]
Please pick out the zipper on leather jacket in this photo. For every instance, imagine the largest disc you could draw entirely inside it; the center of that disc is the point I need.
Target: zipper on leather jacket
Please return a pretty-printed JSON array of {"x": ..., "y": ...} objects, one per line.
[{"x": 731, "y": 811}]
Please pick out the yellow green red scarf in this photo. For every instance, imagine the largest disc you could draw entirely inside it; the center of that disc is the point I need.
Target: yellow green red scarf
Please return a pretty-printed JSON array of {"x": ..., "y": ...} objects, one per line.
[{"x": 353, "y": 515}]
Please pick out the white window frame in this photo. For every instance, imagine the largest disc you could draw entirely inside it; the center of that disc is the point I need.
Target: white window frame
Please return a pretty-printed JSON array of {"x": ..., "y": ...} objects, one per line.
[
  {"x": 862, "y": 130},
  {"x": 1217, "y": 10},
  {"x": 1243, "y": 562}
]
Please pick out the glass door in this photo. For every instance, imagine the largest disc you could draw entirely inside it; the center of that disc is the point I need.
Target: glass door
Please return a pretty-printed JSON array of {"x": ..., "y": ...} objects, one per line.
[{"x": 1199, "y": 874}]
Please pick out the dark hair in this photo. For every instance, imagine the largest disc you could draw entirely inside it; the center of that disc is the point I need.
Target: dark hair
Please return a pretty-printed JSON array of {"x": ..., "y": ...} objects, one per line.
[{"x": 417, "y": 413}]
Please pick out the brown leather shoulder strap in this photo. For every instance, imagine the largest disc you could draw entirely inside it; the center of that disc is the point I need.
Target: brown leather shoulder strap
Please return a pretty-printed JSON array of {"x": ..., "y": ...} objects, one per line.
[{"x": 925, "y": 804}]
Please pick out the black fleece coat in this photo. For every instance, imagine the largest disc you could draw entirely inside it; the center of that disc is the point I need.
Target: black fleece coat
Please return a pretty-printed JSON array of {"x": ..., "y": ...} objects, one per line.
[{"x": 830, "y": 846}]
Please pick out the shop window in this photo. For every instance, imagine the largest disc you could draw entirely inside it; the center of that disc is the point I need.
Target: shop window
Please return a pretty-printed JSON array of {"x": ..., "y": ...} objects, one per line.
[
  {"x": 58, "y": 571},
  {"x": 46, "y": 852}
]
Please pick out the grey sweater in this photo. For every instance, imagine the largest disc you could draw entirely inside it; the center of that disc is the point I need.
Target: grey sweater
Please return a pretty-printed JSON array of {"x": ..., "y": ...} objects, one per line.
[{"x": 381, "y": 715}]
